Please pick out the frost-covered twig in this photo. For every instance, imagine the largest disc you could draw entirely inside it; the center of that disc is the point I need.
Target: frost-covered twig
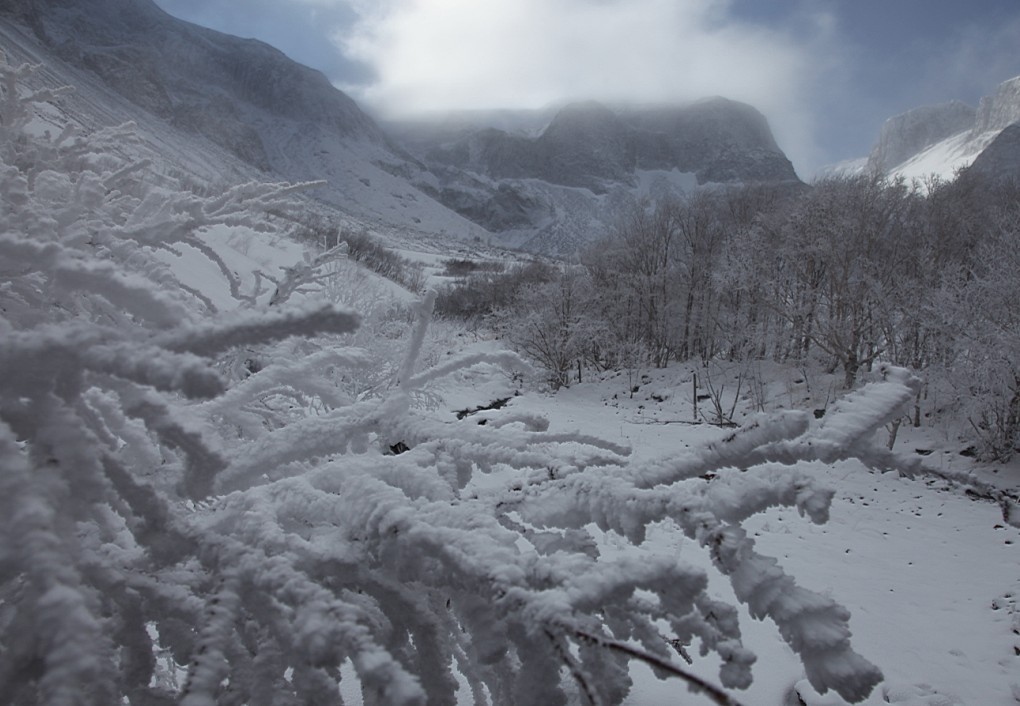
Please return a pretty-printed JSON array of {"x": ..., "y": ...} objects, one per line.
[{"x": 694, "y": 682}]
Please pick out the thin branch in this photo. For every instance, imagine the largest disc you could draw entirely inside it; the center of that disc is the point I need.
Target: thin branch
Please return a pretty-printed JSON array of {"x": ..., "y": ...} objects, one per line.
[
  {"x": 575, "y": 669},
  {"x": 694, "y": 682}
]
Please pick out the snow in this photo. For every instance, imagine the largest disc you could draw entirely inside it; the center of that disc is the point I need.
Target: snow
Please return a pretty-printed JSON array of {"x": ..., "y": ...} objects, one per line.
[
  {"x": 930, "y": 576},
  {"x": 945, "y": 158}
]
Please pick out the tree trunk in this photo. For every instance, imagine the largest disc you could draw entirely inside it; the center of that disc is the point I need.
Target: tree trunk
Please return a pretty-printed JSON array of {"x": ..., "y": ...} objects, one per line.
[{"x": 851, "y": 366}]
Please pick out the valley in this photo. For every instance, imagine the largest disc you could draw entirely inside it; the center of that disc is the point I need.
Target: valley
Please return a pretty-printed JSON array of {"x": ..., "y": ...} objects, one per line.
[{"x": 597, "y": 404}]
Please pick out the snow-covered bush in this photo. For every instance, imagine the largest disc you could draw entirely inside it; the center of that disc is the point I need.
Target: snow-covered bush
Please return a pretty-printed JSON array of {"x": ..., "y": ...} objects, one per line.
[
  {"x": 553, "y": 324},
  {"x": 167, "y": 534}
]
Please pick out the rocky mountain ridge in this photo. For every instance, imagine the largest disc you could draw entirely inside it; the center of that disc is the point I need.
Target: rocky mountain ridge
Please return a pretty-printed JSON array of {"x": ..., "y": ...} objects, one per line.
[
  {"x": 905, "y": 135},
  {"x": 591, "y": 158},
  {"x": 998, "y": 111},
  {"x": 592, "y": 146},
  {"x": 942, "y": 139}
]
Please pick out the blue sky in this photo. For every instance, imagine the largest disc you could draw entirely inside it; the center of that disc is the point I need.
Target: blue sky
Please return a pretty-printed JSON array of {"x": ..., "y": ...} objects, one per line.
[{"x": 826, "y": 73}]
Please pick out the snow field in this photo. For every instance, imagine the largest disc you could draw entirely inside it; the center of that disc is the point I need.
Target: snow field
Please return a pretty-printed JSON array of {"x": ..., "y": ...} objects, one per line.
[{"x": 930, "y": 576}]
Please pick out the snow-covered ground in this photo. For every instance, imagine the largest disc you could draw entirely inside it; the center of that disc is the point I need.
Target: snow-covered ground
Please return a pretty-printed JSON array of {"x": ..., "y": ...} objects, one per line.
[{"x": 930, "y": 575}]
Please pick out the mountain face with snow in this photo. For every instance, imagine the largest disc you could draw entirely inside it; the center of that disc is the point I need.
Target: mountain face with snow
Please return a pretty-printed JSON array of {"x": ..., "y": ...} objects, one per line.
[
  {"x": 943, "y": 139},
  {"x": 544, "y": 181},
  {"x": 1000, "y": 110},
  {"x": 553, "y": 188},
  {"x": 197, "y": 79},
  {"x": 910, "y": 133},
  {"x": 588, "y": 145},
  {"x": 244, "y": 103}
]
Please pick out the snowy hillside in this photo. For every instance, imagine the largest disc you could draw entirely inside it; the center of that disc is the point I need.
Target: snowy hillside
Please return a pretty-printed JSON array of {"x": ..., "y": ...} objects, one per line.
[
  {"x": 939, "y": 140},
  {"x": 945, "y": 158},
  {"x": 241, "y": 102}
]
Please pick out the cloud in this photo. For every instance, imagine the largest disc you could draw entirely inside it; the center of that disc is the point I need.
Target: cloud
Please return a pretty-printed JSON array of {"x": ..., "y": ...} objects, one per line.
[
  {"x": 400, "y": 57},
  {"x": 436, "y": 55},
  {"x": 974, "y": 61}
]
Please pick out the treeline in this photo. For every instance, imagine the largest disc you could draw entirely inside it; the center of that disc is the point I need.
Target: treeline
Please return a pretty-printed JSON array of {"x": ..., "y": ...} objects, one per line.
[{"x": 848, "y": 272}]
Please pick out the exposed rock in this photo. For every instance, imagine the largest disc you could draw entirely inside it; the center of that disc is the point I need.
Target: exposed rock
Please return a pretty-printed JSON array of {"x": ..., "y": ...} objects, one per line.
[
  {"x": 585, "y": 145},
  {"x": 998, "y": 111},
  {"x": 907, "y": 134},
  {"x": 588, "y": 145},
  {"x": 718, "y": 139},
  {"x": 1000, "y": 161}
]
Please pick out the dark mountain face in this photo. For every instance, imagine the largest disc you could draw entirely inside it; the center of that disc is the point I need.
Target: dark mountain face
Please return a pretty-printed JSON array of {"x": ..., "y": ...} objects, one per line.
[
  {"x": 506, "y": 181},
  {"x": 1000, "y": 161},
  {"x": 588, "y": 145},
  {"x": 585, "y": 145},
  {"x": 718, "y": 139}
]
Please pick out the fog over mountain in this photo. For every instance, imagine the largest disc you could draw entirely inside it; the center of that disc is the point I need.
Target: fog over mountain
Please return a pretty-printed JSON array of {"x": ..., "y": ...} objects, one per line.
[
  {"x": 549, "y": 190},
  {"x": 552, "y": 189}
]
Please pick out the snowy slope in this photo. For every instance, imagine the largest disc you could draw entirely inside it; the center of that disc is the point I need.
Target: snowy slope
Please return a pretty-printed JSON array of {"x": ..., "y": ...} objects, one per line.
[
  {"x": 945, "y": 158},
  {"x": 938, "y": 140},
  {"x": 931, "y": 576},
  {"x": 223, "y": 109}
]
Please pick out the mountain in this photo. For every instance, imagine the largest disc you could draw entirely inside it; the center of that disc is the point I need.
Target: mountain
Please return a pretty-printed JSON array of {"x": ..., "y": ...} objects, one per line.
[
  {"x": 943, "y": 139},
  {"x": 1000, "y": 110},
  {"x": 910, "y": 133},
  {"x": 224, "y": 109},
  {"x": 556, "y": 187},
  {"x": 222, "y": 100},
  {"x": 1000, "y": 160}
]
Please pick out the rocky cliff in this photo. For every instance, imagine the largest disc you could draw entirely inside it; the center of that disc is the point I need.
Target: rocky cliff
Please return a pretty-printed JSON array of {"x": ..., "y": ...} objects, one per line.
[
  {"x": 566, "y": 179},
  {"x": 910, "y": 133},
  {"x": 999, "y": 110},
  {"x": 943, "y": 139}
]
